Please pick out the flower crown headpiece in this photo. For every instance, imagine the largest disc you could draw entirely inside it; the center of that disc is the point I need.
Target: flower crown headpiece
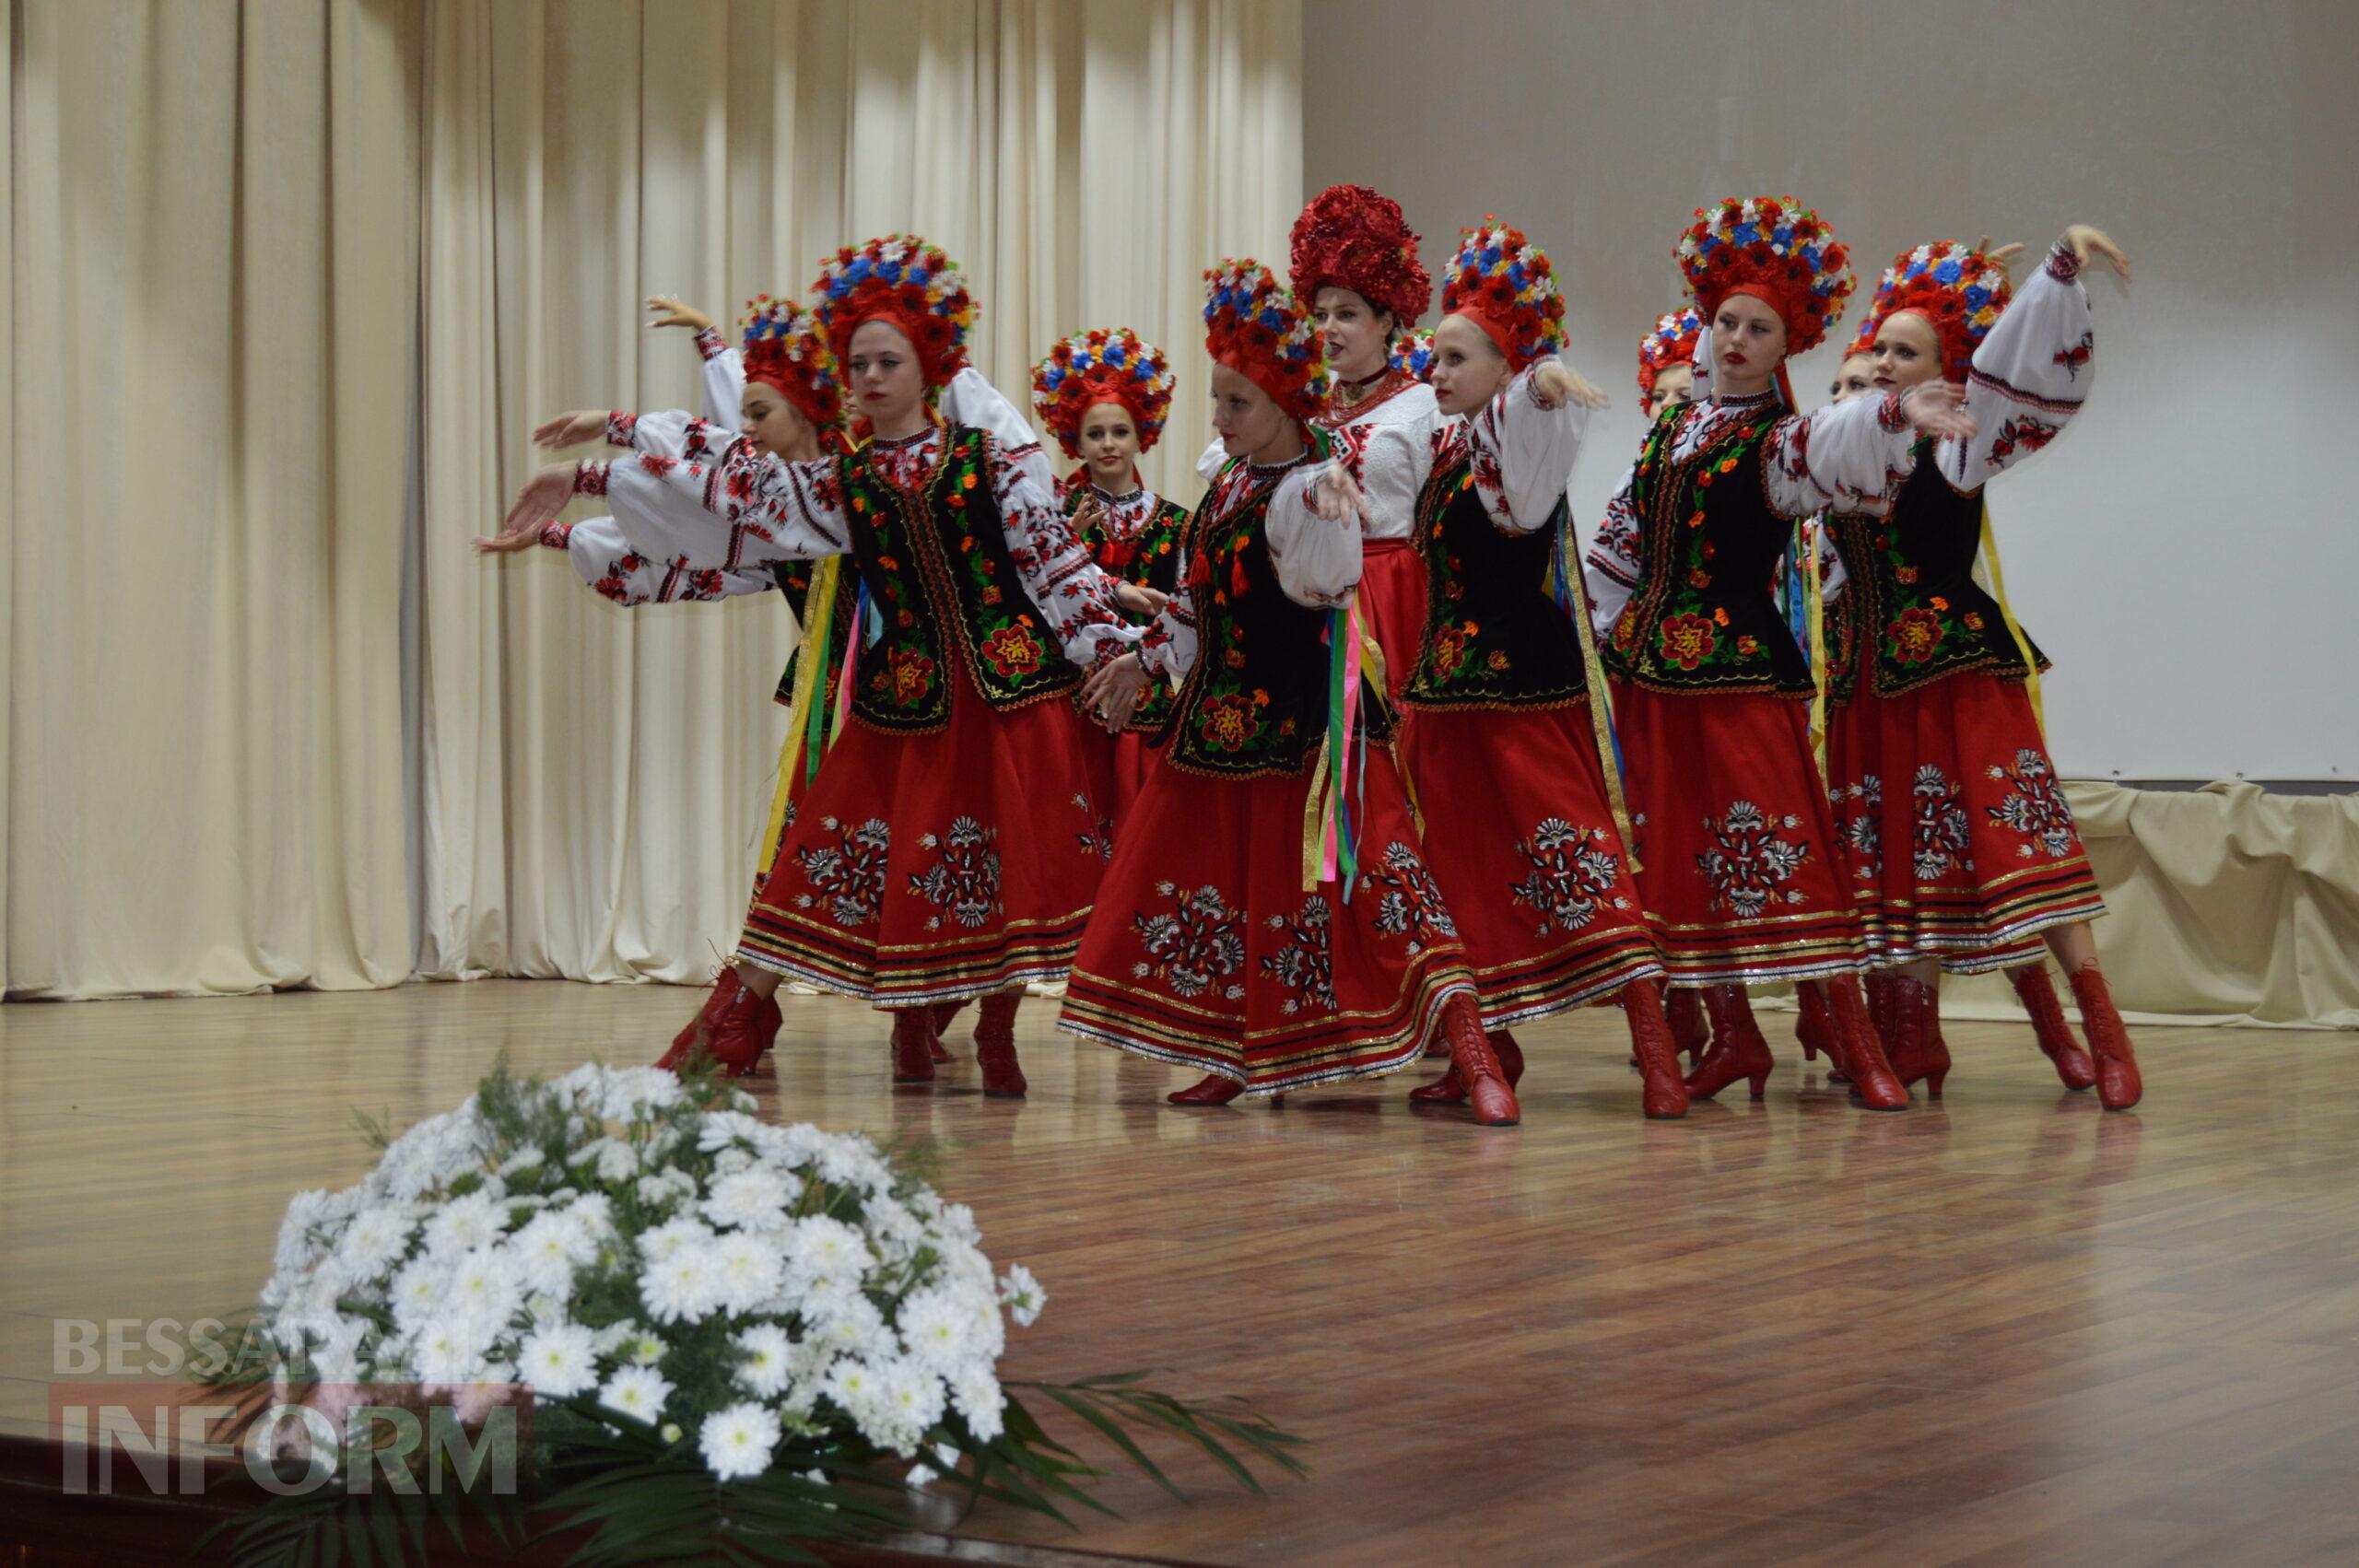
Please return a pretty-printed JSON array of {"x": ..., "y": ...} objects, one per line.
[
  {"x": 1776, "y": 249},
  {"x": 1506, "y": 284},
  {"x": 1957, "y": 288},
  {"x": 783, "y": 350},
  {"x": 901, "y": 279},
  {"x": 1102, "y": 365},
  {"x": 1413, "y": 354},
  {"x": 1351, "y": 237},
  {"x": 1672, "y": 342},
  {"x": 1253, "y": 325}
]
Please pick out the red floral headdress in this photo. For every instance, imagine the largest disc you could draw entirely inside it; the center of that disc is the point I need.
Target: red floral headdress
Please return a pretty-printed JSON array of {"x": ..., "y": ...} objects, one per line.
[
  {"x": 1504, "y": 284},
  {"x": 1957, "y": 288},
  {"x": 1413, "y": 354},
  {"x": 1257, "y": 329},
  {"x": 1671, "y": 343},
  {"x": 901, "y": 279},
  {"x": 782, "y": 350},
  {"x": 1776, "y": 249},
  {"x": 1351, "y": 237},
  {"x": 1102, "y": 366}
]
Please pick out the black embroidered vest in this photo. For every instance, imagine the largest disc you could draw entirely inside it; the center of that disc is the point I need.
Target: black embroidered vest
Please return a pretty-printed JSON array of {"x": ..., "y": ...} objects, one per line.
[
  {"x": 1255, "y": 703},
  {"x": 1149, "y": 558},
  {"x": 793, "y": 578},
  {"x": 1495, "y": 636},
  {"x": 1703, "y": 618},
  {"x": 1913, "y": 612},
  {"x": 939, "y": 575}
]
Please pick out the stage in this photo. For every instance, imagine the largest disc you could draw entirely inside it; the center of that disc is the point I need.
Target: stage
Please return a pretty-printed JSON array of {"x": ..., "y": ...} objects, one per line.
[{"x": 2009, "y": 1327}]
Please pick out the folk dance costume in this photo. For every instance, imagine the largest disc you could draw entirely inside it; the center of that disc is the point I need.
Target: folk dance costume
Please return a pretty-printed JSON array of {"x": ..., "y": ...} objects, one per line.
[
  {"x": 1223, "y": 939},
  {"x": 1937, "y": 765},
  {"x": 1133, "y": 536},
  {"x": 947, "y": 847},
  {"x": 1497, "y": 737},
  {"x": 1742, "y": 872}
]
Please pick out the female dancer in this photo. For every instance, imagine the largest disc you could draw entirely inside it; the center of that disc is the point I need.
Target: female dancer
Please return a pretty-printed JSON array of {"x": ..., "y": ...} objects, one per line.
[
  {"x": 1104, "y": 396},
  {"x": 1741, "y": 875},
  {"x": 1222, "y": 940},
  {"x": 1498, "y": 738},
  {"x": 1665, "y": 377},
  {"x": 1939, "y": 751},
  {"x": 946, "y": 849}
]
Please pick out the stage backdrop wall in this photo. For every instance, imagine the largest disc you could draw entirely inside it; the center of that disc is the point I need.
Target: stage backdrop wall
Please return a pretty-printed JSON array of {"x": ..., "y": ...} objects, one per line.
[
  {"x": 291, "y": 281},
  {"x": 2184, "y": 552}
]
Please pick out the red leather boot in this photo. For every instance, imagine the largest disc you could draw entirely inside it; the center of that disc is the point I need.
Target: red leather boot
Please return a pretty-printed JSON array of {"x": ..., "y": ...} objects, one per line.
[
  {"x": 1210, "y": 1090},
  {"x": 1914, "y": 1047},
  {"x": 995, "y": 1047},
  {"x": 2118, "y": 1084},
  {"x": 1815, "y": 1027},
  {"x": 753, "y": 1020},
  {"x": 1877, "y": 983},
  {"x": 912, "y": 1034},
  {"x": 1683, "y": 1007},
  {"x": 1663, "y": 1098},
  {"x": 1450, "y": 1089},
  {"x": 944, "y": 1014},
  {"x": 1872, "y": 1083},
  {"x": 2072, "y": 1065},
  {"x": 1738, "y": 1050},
  {"x": 1478, "y": 1065}
]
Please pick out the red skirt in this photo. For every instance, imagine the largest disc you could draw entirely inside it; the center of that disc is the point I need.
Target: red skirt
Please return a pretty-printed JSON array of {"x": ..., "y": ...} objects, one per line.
[
  {"x": 1392, "y": 604},
  {"x": 918, "y": 869},
  {"x": 1958, "y": 828},
  {"x": 1206, "y": 950},
  {"x": 1118, "y": 769},
  {"x": 1519, "y": 832},
  {"x": 1740, "y": 867}
]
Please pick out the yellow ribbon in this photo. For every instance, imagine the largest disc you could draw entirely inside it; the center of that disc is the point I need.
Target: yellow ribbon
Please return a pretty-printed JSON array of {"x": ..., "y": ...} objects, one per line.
[
  {"x": 810, "y": 677},
  {"x": 1314, "y": 824},
  {"x": 2006, "y": 613},
  {"x": 1601, "y": 707},
  {"x": 1816, "y": 602},
  {"x": 1372, "y": 670}
]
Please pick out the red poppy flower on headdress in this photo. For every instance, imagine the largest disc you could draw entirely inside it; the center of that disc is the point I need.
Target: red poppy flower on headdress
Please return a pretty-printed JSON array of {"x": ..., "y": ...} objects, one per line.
[
  {"x": 1776, "y": 249},
  {"x": 1413, "y": 354},
  {"x": 1102, "y": 366},
  {"x": 1671, "y": 343},
  {"x": 1959, "y": 290},
  {"x": 1351, "y": 237},
  {"x": 782, "y": 350},
  {"x": 1506, "y": 284},
  {"x": 901, "y": 279},
  {"x": 1257, "y": 329}
]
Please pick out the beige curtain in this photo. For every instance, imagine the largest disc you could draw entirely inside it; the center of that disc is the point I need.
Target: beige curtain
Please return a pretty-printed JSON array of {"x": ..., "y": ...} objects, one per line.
[
  {"x": 593, "y": 779},
  {"x": 211, "y": 281}
]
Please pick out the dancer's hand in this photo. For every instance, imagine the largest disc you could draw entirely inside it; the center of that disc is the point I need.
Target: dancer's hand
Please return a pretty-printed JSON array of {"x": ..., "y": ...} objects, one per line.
[
  {"x": 2003, "y": 258},
  {"x": 1937, "y": 408},
  {"x": 1335, "y": 496},
  {"x": 1558, "y": 383},
  {"x": 1140, "y": 601},
  {"x": 677, "y": 314},
  {"x": 2084, "y": 241},
  {"x": 544, "y": 495},
  {"x": 1112, "y": 694},
  {"x": 570, "y": 429}
]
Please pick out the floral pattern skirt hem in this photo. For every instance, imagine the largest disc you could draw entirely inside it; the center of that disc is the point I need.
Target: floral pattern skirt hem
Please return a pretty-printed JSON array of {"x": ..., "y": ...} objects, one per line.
[
  {"x": 1206, "y": 952},
  {"x": 918, "y": 869},
  {"x": 1739, "y": 868},
  {"x": 1959, "y": 836},
  {"x": 1520, "y": 832},
  {"x": 1392, "y": 604}
]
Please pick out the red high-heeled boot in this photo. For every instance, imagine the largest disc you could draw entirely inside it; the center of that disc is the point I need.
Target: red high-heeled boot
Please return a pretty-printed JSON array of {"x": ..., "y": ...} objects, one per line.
[
  {"x": 1210, "y": 1090},
  {"x": 1683, "y": 1009},
  {"x": 1872, "y": 1083},
  {"x": 1914, "y": 1047},
  {"x": 2073, "y": 1068},
  {"x": 1663, "y": 1095},
  {"x": 995, "y": 1047},
  {"x": 1450, "y": 1089},
  {"x": 912, "y": 1033},
  {"x": 1478, "y": 1065},
  {"x": 944, "y": 1014},
  {"x": 1814, "y": 1027},
  {"x": 2119, "y": 1083},
  {"x": 755, "y": 1023},
  {"x": 1738, "y": 1050},
  {"x": 741, "y": 1034}
]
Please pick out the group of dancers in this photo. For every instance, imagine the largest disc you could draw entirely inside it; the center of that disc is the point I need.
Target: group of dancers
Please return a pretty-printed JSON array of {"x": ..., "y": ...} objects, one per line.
[{"x": 1357, "y": 760}]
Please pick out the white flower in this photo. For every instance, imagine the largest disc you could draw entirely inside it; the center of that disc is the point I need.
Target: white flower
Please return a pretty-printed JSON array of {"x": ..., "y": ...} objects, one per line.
[
  {"x": 854, "y": 1389},
  {"x": 747, "y": 1269},
  {"x": 729, "y": 1162},
  {"x": 752, "y": 1199},
  {"x": 487, "y": 1287},
  {"x": 683, "y": 1288},
  {"x": 827, "y": 1249},
  {"x": 449, "y": 1350},
  {"x": 738, "y": 1441},
  {"x": 979, "y": 1399},
  {"x": 768, "y": 1360},
  {"x": 852, "y": 1326},
  {"x": 552, "y": 1245},
  {"x": 462, "y": 1223},
  {"x": 911, "y": 1401},
  {"x": 632, "y": 1089},
  {"x": 611, "y": 1339},
  {"x": 297, "y": 1250},
  {"x": 1022, "y": 1294},
  {"x": 618, "y": 1162},
  {"x": 559, "y": 1361},
  {"x": 529, "y": 1158},
  {"x": 417, "y": 1291},
  {"x": 672, "y": 1235},
  {"x": 636, "y": 1391},
  {"x": 375, "y": 1238},
  {"x": 933, "y": 1328}
]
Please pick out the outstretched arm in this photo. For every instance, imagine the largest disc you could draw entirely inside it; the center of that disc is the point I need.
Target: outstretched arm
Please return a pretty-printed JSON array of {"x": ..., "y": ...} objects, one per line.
[{"x": 2034, "y": 370}]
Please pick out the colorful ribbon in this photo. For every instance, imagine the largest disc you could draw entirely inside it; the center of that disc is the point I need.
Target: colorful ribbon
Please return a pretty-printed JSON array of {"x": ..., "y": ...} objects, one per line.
[
  {"x": 803, "y": 736},
  {"x": 2007, "y": 614},
  {"x": 1572, "y": 598},
  {"x": 1816, "y": 601}
]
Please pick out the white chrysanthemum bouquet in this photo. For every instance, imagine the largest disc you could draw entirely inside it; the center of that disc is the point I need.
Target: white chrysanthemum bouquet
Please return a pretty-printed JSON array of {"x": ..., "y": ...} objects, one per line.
[{"x": 700, "y": 1304}]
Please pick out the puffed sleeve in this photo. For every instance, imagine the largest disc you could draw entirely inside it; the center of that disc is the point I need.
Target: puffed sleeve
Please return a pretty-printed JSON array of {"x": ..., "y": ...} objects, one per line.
[
  {"x": 1317, "y": 560},
  {"x": 724, "y": 378},
  {"x": 1069, "y": 587},
  {"x": 2029, "y": 377},
  {"x": 971, "y": 400},
  {"x": 1616, "y": 558},
  {"x": 1524, "y": 453},
  {"x": 1168, "y": 651},
  {"x": 609, "y": 564},
  {"x": 672, "y": 433},
  {"x": 745, "y": 512},
  {"x": 1212, "y": 460},
  {"x": 1838, "y": 457}
]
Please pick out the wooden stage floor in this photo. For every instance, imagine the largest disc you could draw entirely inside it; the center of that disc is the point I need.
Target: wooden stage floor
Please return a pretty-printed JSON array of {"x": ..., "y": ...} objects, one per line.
[{"x": 2010, "y": 1328}]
